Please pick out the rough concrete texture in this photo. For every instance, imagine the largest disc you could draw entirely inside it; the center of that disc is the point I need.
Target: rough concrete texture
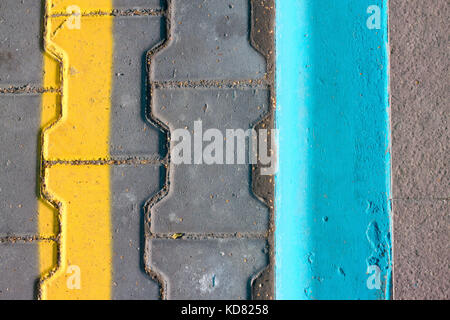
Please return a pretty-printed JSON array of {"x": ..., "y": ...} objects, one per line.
[
  {"x": 420, "y": 147},
  {"x": 422, "y": 259}
]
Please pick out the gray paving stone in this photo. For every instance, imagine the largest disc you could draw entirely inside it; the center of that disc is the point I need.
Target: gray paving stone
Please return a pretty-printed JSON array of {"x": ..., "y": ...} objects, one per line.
[
  {"x": 19, "y": 127},
  {"x": 208, "y": 269},
  {"x": 131, "y": 187},
  {"x": 131, "y": 135},
  {"x": 19, "y": 271},
  {"x": 209, "y": 41},
  {"x": 20, "y": 42},
  {"x": 422, "y": 244},
  {"x": 210, "y": 198}
]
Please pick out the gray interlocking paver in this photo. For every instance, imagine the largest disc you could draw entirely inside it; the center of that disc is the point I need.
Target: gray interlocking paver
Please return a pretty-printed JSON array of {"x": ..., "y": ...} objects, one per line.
[
  {"x": 19, "y": 125},
  {"x": 208, "y": 269},
  {"x": 20, "y": 43},
  {"x": 209, "y": 41},
  {"x": 131, "y": 134},
  {"x": 132, "y": 186},
  {"x": 19, "y": 270},
  {"x": 210, "y": 198},
  {"x": 20, "y": 65},
  {"x": 192, "y": 80}
]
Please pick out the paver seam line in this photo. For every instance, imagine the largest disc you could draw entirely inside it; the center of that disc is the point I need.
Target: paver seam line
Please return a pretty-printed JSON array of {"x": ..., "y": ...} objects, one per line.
[
  {"x": 59, "y": 254},
  {"x": 152, "y": 119},
  {"x": 255, "y": 167},
  {"x": 270, "y": 204},
  {"x": 26, "y": 239},
  {"x": 108, "y": 162},
  {"x": 231, "y": 84},
  {"x": 27, "y": 89},
  {"x": 113, "y": 13},
  {"x": 269, "y": 117},
  {"x": 207, "y": 236},
  {"x": 221, "y": 84}
]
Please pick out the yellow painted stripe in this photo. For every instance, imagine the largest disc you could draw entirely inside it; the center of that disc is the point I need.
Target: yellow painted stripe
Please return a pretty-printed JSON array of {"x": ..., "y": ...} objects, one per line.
[{"x": 76, "y": 127}]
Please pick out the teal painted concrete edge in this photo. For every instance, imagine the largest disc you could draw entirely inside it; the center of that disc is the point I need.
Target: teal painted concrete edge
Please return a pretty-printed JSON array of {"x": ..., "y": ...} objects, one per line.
[{"x": 333, "y": 190}]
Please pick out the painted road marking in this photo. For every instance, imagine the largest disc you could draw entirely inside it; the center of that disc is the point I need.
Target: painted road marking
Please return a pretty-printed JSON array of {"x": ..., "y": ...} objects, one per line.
[
  {"x": 81, "y": 192},
  {"x": 333, "y": 227}
]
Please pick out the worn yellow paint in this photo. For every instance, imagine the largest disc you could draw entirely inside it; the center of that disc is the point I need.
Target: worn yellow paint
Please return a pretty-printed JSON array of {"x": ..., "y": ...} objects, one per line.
[{"x": 76, "y": 126}]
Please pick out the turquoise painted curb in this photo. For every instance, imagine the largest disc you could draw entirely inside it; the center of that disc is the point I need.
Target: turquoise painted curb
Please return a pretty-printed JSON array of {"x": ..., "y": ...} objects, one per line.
[{"x": 333, "y": 196}]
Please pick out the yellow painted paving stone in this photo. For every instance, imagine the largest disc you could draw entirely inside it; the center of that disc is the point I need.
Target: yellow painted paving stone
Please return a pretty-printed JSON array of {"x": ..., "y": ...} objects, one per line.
[
  {"x": 85, "y": 235},
  {"x": 76, "y": 127},
  {"x": 83, "y": 130}
]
